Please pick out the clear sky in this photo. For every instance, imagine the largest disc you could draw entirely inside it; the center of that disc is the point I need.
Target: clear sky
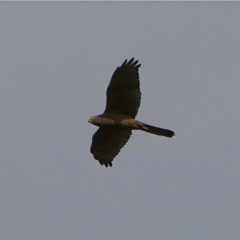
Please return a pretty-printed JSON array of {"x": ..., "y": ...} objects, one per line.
[{"x": 56, "y": 62}]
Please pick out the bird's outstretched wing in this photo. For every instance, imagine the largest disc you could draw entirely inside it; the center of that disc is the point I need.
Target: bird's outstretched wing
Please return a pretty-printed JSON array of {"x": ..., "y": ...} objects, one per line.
[
  {"x": 107, "y": 143},
  {"x": 123, "y": 92}
]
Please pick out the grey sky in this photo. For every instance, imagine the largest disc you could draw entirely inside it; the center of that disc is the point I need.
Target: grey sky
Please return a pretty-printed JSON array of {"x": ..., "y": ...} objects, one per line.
[{"x": 56, "y": 62}]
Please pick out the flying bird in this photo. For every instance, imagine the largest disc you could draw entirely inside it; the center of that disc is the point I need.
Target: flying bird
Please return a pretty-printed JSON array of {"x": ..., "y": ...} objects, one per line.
[{"x": 118, "y": 120}]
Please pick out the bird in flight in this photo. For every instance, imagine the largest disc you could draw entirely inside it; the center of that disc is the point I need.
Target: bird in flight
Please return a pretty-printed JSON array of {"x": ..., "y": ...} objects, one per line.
[{"x": 118, "y": 120}]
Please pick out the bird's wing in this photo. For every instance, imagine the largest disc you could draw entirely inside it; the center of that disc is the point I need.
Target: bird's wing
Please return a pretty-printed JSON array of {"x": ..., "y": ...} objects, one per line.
[
  {"x": 123, "y": 92},
  {"x": 107, "y": 143}
]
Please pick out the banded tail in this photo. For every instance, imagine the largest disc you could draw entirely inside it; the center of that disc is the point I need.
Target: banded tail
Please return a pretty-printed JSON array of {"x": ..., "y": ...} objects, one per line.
[{"x": 155, "y": 130}]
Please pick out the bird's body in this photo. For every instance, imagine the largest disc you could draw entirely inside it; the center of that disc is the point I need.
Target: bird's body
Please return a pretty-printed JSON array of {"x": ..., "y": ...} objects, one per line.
[
  {"x": 118, "y": 120},
  {"x": 124, "y": 121}
]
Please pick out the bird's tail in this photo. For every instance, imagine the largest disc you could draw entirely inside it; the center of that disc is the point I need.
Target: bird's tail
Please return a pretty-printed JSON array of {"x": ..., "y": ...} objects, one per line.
[{"x": 155, "y": 130}]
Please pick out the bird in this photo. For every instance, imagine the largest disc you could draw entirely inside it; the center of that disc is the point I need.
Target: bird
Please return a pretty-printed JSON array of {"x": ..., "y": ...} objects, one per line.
[{"x": 118, "y": 120}]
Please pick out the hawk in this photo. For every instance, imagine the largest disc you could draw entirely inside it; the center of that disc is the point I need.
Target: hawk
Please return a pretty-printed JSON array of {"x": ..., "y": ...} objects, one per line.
[{"x": 118, "y": 120}]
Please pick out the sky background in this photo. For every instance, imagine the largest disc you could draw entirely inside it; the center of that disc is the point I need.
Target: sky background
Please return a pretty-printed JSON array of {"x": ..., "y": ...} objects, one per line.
[{"x": 56, "y": 62}]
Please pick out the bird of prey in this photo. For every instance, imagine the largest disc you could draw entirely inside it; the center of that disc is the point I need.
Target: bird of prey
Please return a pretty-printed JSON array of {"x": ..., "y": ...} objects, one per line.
[{"x": 118, "y": 120}]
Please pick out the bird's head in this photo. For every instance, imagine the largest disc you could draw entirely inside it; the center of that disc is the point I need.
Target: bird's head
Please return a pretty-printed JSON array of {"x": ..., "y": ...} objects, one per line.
[
  {"x": 93, "y": 119},
  {"x": 101, "y": 120},
  {"x": 96, "y": 120}
]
